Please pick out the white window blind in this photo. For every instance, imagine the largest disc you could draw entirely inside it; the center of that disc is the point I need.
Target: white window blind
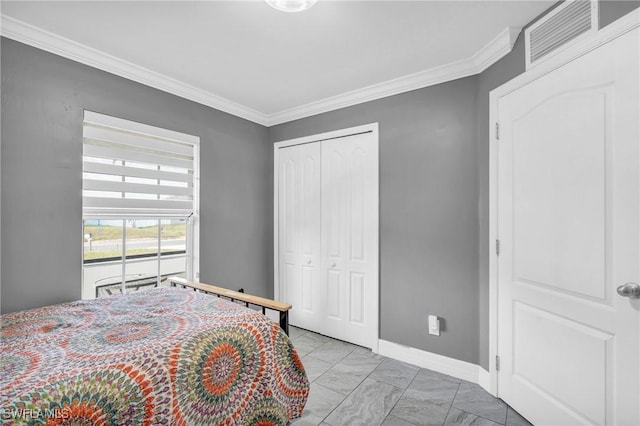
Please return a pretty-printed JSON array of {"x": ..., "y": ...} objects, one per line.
[{"x": 132, "y": 170}]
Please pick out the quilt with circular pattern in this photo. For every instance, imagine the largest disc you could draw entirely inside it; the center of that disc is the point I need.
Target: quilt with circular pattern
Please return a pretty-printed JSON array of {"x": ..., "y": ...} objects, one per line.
[{"x": 164, "y": 356}]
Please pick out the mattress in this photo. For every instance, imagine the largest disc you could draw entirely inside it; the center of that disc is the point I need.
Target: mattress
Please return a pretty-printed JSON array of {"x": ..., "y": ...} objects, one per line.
[{"x": 152, "y": 357}]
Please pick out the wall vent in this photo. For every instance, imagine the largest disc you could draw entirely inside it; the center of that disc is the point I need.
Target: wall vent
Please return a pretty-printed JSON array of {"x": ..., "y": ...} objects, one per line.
[{"x": 560, "y": 28}]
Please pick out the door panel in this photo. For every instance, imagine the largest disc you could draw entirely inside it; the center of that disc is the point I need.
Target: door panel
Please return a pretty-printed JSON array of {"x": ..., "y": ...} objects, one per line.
[
  {"x": 299, "y": 235},
  {"x": 356, "y": 297},
  {"x": 310, "y": 203},
  {"x": 555, "y": 204},
  {"x": 334, "y": 235},
  {"x": 568, "y": 224},
  {"x": 551, "y": 351},
  {"x": 288, "y": 206},
  {"x": 349, "y": 223},
  {"x": 357, "y": 217},
  {"x": 308, "y": 277},
  {"x": 334, "y": 203},
  {"x": 334, "y": 298}
]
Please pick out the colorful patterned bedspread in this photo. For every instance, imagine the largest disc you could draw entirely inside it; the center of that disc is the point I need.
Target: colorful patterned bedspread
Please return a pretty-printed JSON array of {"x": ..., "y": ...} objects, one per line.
[{"x": 162, "y": 356}]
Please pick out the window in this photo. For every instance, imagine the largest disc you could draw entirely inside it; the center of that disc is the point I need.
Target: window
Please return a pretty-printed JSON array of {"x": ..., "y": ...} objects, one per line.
[{"x": 140, "y": 205}]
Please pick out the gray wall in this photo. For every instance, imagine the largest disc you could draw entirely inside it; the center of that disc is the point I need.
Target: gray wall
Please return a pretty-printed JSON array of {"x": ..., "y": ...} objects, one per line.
[
  {"x": 428, "y": 211},
  {"x": 43, "y": 98},
  {"x": 434, "y": 195},
  {"x": 610, "y": 10}
]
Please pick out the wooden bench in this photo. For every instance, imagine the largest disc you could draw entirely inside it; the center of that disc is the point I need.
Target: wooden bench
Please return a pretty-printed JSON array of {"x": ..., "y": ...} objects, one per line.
[{"x": 248, "y": 299}]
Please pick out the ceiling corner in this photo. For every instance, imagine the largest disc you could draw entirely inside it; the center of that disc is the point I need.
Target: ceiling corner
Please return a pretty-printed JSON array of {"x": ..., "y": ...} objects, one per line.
[
  {"x": 33, "y": 36},
  {"x": 482, "y": 59}
]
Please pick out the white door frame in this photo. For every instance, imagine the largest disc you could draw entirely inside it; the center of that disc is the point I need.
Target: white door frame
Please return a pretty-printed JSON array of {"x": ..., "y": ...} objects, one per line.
[
  {"x": 605, "y": 35},
  {"x": 366, "y": 128}
]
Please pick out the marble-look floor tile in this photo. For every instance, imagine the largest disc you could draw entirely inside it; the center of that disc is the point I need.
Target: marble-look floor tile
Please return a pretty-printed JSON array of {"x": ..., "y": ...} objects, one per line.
[
  {"x": 296, "y": 332},
  {"x": 340, "y": 380},
  {"x": 353, "y": 386},
  {"x": 321, "y": 402},
  {"x": 332, "y": 351},
  {"x": 394, "y": 421},
  {"x": 434, "y": 388},
  {"x": 462, "y": 418},
  {"x": 307, "y": 343},
  {"x": 395, "y": 373},
  {"x": 368, "y": 405},
  {"x": 314, "y": 367},
  {"x": 515, "y": 419},
  {"x": 360, "y": 363},
  {"x": 348, "y": 373},
  {"x": 475, "y": 400},
  {"x": 417, "y": 408}
]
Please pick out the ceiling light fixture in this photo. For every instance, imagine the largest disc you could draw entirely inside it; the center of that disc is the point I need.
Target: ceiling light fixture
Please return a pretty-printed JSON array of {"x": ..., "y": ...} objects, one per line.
[{"x": 291, "y": 5}]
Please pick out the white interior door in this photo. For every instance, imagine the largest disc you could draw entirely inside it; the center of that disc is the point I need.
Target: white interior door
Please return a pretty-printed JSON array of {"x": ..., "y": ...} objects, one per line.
[
  {"x": 299, "y": 233},
  {"x": 568, "y": 224},
  {"x": 349, "y": 237}
]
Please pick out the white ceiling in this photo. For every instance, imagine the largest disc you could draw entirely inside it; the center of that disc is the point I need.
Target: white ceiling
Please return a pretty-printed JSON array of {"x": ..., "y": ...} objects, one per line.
[{"x": 262, "y": 62}]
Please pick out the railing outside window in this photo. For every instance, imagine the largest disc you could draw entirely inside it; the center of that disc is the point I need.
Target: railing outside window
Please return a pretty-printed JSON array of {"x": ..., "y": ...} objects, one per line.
[{"x": 127, "y": 255}]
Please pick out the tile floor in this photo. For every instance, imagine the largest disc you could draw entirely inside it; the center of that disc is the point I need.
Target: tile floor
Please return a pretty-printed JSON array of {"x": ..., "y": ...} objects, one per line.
[{"x": 352, "y": 386}]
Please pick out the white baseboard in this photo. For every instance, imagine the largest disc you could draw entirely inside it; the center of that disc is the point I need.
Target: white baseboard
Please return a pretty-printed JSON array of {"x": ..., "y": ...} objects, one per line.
[
  {"x": 484, "y": 380},
  {"x": 453, "y": 367}
]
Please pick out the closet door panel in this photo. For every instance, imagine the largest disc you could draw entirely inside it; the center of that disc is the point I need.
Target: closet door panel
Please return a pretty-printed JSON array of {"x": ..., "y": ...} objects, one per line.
[
  {"x": 299, "y": 233},
  {"x": 349, "y": 229},
  {"x": 357, "y": 212},
  {"x": 362, "y": 229},
  {"x": 333, "y": 235}
]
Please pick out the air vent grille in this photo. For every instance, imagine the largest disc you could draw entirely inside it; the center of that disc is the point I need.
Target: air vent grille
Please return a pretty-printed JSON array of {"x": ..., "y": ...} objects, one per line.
[{"x": 561, "y": 26}]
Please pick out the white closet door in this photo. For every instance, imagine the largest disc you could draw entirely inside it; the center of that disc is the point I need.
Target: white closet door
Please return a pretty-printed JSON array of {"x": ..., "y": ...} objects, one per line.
[
  {"x": 299, "y": 233},
  {"x": 349, "y": 237},
  {"x": 568, "y": 216}
]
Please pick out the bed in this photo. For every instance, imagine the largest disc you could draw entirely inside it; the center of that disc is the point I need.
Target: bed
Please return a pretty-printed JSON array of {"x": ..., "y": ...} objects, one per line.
[{"x": 166, "y": 355}]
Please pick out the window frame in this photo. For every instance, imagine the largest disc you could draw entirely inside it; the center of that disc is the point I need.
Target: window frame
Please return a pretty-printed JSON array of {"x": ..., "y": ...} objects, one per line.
[{"x": 192, "y": 237}]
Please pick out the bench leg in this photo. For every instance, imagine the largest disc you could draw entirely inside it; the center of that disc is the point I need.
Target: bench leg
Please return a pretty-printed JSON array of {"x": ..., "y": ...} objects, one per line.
[{"x": 284, "y": 321}]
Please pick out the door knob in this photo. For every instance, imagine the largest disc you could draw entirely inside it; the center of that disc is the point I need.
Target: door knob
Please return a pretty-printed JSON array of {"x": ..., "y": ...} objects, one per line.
[
  {"x": 630, "y": 290},
  {"x": 333, "y": 265},
  {"x": 309, "y": 262}
]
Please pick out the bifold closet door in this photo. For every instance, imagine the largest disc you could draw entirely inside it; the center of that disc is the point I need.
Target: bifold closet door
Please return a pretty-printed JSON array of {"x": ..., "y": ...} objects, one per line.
[
  {"x": 349, "y": 237},
  {"x": 299, "y": 234},
  {"x": 328, "y": 236}
]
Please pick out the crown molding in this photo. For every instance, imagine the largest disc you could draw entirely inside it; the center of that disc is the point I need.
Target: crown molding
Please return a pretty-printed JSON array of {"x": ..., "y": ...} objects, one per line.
[
  {"x": 45, "y": 40},
  {"x": 41, "y": 39},
  {"x": 481, "y": 60},
  {"x": 496, "y": 49}
]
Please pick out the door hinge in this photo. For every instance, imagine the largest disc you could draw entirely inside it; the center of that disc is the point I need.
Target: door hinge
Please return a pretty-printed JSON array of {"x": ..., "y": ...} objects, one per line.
[
  {"x": 497, "y": 131},
  {"x": 497, "y": 247},
  {"x": 497, "y": 363}
]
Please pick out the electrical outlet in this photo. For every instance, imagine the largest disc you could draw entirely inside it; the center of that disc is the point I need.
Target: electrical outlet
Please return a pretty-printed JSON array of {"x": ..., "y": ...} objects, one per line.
[{"x": 434, "y": 325}]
